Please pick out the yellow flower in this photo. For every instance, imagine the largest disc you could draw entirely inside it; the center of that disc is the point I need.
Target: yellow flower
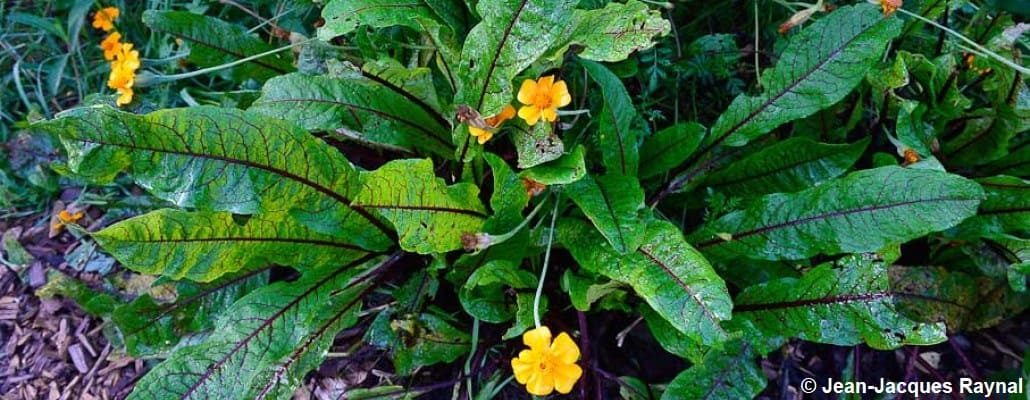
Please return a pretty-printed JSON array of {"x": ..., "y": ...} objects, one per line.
[
  {"x": 111, "y": 45},
  {"x": 547, "y": 366},
  {"x": 542, "y": 98},
  {"x": 66, "y": 217},
  {"x": 104, "y": 19},
  {"x": 482, "y": 135},
  {"x": 123, "y": 73},
  {"x": 126, "y": 58}
]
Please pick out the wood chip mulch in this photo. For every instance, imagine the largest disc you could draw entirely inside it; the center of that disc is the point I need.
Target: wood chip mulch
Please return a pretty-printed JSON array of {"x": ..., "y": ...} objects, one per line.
[{"x": 49, "y": 348}]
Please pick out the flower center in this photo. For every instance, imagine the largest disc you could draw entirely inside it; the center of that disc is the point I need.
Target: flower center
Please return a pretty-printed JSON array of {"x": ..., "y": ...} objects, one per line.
[
  {"x": 546, "y": 363},
  {"x": 543, "y": 99}
]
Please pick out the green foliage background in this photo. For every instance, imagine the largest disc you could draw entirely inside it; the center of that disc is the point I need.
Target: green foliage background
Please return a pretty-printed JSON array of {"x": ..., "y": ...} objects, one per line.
[{"x": 858, "y": 179}]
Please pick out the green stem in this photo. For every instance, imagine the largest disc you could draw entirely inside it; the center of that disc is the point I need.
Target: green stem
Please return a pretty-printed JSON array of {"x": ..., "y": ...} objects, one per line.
[
  {"x": 153, "y": 79},
  {"x": 1019, "y": 68},
  {"x": 547, "y": 259}
]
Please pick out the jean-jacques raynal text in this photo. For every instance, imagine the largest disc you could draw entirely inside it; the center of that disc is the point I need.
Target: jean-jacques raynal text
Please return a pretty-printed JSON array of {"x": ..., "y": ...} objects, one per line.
[{"x": 965, "y": 386}]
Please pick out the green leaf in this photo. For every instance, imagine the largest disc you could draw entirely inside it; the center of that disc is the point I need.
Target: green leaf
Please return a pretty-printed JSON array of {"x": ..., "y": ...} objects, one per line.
[
  {"x": 483, "y": 294},
  {"x": 861, "y": 212},
  {"x": 1006, "y": 208},
  {"x": 509, "y": 197},
  {"x": 203, "y": 246},
  {"x": 719, "y": 376},
  {"x": 820, "y": 66},
  {"x": 418, "y": 341},
  {"x": 216, "y": 42},
  {"x": 565, "y": 170},
  {"x": 666, "y": 272},
  {"x": 617, "y": 140},
  {"x": 524, "y": 319},
  {"x": 510, "y": 37},
  {"x": 95, "y": 302},
  {"x": 612, "y": 33},
  {"x": 209, "y": 158},
  {"x": 672, "y": 340},
  {"x": 343, "y": 16},
  {"x": 984, "y": 139},
  {"x": 416, "y": 83},
  {"x": 787, "y": 166},
  {"x": 429, "y": 216},
  {"x": 537, "y": 145},
  {"x": 150, "y": 327},
  {"x": 369, "y": 110},
  {"x": 14, "y": 254},
  {"x": 584, "y": 291},
  {"x": 669, "y": 147},
  {"x": 614, "y": 204},
  {"x": 934, "y": 294},
  {"x": 844, "y": 304},
  {"x": 266, "y": 343}
]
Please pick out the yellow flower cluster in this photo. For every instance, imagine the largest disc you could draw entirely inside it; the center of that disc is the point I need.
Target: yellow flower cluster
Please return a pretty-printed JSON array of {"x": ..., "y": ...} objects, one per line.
[
  {"x": 541, "y": 99},
  {"x": 124, "y": 60}
]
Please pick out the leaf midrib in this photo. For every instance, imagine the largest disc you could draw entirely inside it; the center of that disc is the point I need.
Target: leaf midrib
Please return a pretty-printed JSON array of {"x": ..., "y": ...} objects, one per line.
[
  {"x": 791, "y": 165},
  {"x": 789, "y": 89},
  {"x": 382, "y": 113},
  {"x": 311, "y": 338},
  {"x": 611, "y": 212},
  {"x": 674, "y": 185},
  {"x": 453, "y": 210},
  {"x": 835, "y": 299},
  {"x": 268, "y": 322},
  {"x": 843, "y": 299},
  {"x": 826, "y": 215},
  {"x": 497, "y": 54},
  {"x": 692, "y": 294},
  {"x": 250, "y": 164},
  {"x": 316, "y": 242}
]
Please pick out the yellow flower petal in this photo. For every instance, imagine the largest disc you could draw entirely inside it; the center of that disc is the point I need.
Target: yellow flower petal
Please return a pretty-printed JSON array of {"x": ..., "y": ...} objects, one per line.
[
  {"x": 527, "y": 93},
  {"x": 565, "y": 377},
  {"x": 549, "y": 114},
  {"x": 565, "y": 349},
  {"x": 482, "y": 135},
  {"x": 560, "y": 94},
  {"x": 104, "y": 19},
  {"x": 524, "y": 366},
  {"x": 127, "y": 58},
  {"x": 125, "y": 96},
  {"x": 111, "y": 44},
  {"x": 530, "y": 114},
  {"x": 538, "y": 339},
  {"x": 508, "y": 112},
  {"x": 545, "y": 83},
  {"x": 540, "y": 385}
]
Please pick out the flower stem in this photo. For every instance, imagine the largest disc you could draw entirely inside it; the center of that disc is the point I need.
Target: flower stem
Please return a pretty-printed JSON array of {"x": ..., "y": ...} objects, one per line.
[
  {"x": 160, "y": 78},
  {"x": 1019, "y": 68},
  {"x": 547, "y": 259}
]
